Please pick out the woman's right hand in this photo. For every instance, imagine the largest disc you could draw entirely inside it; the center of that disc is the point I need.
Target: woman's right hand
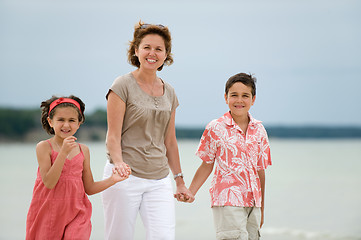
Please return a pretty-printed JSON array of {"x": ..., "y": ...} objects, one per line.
[
  {"x": 117, "y": 177},
  {"x": 122, "y": 169}
]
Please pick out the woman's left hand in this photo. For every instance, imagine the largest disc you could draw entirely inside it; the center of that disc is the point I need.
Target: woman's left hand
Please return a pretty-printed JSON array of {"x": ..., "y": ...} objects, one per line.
[{"x": 183, "y": 194}]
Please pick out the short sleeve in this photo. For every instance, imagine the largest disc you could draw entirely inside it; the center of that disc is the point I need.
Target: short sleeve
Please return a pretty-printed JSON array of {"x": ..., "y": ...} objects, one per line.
[
  {"x": 264, "y": 156},
  {"x": 172, "y": 96},
  {"x": 207, "y": 148},
  {"x": 175, "y": 102},
  {"x": 120, "y": 88}
]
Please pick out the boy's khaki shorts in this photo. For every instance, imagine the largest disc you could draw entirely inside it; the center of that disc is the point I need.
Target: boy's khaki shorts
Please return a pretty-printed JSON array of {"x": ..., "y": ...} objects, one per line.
[{"x": 237, "y": 223}]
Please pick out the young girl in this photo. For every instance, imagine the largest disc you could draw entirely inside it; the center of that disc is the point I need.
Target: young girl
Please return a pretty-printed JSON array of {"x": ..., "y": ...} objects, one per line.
[{"x": 60, "y": 208}]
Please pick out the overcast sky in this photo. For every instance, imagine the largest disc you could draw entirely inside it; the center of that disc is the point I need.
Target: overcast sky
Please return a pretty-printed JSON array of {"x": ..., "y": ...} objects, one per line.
[{"x": 305, "y": 54}]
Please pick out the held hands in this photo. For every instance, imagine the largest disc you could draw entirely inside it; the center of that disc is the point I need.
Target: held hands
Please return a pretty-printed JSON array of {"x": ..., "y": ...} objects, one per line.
[
  {"x": 121, "y": 172},
  {"x": 184, "y": 195}
]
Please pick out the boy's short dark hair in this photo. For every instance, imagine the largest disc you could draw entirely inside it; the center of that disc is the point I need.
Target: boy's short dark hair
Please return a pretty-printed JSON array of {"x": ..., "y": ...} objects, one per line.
[{"x": 246, "y": 79}]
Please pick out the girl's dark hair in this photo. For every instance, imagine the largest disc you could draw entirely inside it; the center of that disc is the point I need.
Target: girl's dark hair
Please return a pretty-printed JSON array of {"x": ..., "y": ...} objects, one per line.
[
  {"x": 45, "y": 111},
  {"x": 247, "y": 79},
  {"x": 140, "y": 31}
]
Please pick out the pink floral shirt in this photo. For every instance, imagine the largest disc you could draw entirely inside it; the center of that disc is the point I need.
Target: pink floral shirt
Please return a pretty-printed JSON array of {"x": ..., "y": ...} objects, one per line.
[{"x": 238, "y": 157}]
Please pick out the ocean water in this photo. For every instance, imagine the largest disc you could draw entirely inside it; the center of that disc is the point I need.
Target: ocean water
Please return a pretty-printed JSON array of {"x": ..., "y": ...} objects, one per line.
[{"x": 313, "y": 191}]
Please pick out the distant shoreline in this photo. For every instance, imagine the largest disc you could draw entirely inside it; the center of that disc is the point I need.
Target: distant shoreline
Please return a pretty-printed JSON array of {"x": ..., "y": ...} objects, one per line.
[
  {"x": 289, "y": 132},
  {"x": 23, "y": 125},
  {"x": 314, "y": 132},
  {"x": 98, "y": 133}
]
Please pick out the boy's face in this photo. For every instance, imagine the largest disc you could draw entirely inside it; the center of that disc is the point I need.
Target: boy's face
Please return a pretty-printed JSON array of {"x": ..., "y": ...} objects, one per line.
[{"x": 239, "y": 99}]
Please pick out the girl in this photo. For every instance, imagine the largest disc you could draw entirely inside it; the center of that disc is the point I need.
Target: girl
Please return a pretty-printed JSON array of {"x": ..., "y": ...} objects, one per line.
[{"x": 60, "y": 208}]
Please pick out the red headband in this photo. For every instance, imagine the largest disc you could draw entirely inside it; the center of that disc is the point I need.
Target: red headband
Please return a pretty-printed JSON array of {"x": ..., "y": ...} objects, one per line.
[{"x": 63, "y": 100}]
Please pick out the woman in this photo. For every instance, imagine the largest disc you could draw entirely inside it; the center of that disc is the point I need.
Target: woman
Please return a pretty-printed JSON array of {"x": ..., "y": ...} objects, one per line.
[{"x": 141, "y": 134}]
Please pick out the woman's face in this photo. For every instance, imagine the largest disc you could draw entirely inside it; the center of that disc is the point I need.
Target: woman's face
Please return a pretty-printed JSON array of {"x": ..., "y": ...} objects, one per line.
[{"x": 151, "y": 52}]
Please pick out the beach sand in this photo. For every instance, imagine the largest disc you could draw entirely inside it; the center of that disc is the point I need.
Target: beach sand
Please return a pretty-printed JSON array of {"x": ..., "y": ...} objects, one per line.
[{"x": 312, "y": 192}]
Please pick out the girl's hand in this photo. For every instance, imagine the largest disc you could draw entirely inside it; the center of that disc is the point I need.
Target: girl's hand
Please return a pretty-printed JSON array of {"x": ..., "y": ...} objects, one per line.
[
  {"x": 116, "y": 176},
  {"x": 123, "y": 169},
  {"x": 121, "y": 172},
  {"x": 69, "y": 144}
]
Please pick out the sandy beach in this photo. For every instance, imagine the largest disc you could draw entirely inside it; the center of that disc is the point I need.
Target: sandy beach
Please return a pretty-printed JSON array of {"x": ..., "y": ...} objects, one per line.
[{"x": 308, "y": 181}]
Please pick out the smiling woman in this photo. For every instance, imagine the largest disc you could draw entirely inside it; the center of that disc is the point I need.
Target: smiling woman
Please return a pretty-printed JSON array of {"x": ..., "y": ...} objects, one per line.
[
  {"x": 140, "y": 32},
  {"x": 141, "y": 134},
  {"x": 151, "y": 52}
]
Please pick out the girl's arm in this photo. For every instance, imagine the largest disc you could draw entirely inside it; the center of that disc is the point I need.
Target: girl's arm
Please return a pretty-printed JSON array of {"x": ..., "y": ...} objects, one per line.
[
  {"x": 204, "y": 170},
  {"x": 115, "y": 115},
  {"x": 92, "y": 187},
  {"x": 50, "y": 174},
  {"x": 262, "y": 178},
  {"x": 173, "y": 157}
]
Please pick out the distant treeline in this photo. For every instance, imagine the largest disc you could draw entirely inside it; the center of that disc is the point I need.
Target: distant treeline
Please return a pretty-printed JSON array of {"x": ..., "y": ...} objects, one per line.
[
  {"x": 24, "y": 125},
  {"x": 18, "y": 124},
  {"x": 289, "y": 132}
]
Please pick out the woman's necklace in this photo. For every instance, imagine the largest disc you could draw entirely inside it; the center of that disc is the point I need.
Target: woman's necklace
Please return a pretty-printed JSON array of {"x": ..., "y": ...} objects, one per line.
[{"x": 150, "y": 89}]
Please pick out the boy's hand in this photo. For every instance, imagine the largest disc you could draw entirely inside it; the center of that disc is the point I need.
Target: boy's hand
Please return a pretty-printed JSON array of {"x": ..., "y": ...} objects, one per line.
[{"x": 184, "y": 197}]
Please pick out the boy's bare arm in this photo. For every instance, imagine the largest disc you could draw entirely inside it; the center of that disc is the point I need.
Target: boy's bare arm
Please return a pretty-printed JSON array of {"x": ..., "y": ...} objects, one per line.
[
  {"x": 204, "y": 170},
  {"x": 262, "y": 178}
]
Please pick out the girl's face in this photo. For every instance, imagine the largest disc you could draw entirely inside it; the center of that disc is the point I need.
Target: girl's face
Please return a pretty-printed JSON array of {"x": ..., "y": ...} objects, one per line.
[
  {"x": 151, "y": 52},
  {"x": 65, "y": 121},
  {"x": 239, "y": 99}
]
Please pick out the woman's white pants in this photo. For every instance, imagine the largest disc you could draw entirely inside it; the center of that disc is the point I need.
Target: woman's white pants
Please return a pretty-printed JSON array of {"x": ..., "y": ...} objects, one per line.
[{"x": 153, "y": 199}]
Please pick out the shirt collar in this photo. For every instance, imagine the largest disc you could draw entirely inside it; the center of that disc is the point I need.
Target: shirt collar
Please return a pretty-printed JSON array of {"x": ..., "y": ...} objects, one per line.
[{"x": 230, "y": 122}]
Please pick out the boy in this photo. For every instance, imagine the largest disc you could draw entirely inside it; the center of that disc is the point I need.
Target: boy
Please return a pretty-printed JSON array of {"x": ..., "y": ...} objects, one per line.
[{"x": 239, "y": 144}]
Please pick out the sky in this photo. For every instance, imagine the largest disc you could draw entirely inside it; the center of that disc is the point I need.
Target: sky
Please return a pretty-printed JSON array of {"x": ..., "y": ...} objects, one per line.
[{"x": 306, "y": 55}]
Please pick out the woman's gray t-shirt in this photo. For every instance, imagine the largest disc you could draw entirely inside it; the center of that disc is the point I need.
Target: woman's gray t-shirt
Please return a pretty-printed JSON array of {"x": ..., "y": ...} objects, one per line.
[{"x": 145, "y": 124}]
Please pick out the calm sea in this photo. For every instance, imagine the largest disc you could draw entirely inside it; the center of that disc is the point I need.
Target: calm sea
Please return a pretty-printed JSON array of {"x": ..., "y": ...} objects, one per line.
[{"x": 313, "y": 191}]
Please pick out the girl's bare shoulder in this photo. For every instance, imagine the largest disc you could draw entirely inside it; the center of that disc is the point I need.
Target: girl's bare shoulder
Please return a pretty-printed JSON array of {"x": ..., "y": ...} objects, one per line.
[
  {"x": 43, "y": 145},
  {"x": 84, "y": 148}
]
